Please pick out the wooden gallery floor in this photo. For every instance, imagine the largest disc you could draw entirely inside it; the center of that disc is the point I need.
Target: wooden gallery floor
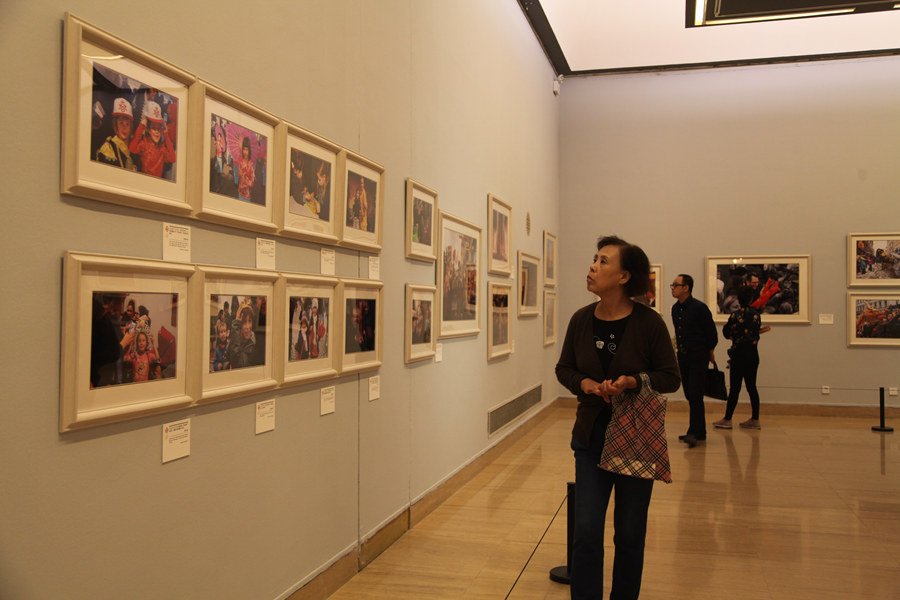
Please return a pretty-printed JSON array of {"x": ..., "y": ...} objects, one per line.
[{"x": 806, "y": 508}]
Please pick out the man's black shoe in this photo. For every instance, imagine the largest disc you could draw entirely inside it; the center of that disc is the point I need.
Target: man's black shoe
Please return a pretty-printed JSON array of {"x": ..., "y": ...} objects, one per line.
[{"x": 690, "y": 440}]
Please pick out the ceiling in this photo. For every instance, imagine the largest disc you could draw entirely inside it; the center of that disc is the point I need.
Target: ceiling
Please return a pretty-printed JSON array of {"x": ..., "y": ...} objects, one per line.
[{"x": 585, "y": 37}]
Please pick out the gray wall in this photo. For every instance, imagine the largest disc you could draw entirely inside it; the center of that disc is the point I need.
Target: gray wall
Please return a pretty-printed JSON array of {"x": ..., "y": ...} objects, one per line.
[
  {"x": 784, "y": 159},
  {"x": 455, "y": 95}
]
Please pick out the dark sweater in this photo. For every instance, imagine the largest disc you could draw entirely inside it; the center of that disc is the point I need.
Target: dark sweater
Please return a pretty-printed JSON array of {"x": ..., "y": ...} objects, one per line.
[{"x": 645, "y": 347}]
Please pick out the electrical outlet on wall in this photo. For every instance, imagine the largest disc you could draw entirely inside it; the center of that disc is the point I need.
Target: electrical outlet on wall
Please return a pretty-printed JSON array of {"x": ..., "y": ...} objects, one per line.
[
  {"x": 892, "y": 391},
  {"x": 826, "y": 389}
]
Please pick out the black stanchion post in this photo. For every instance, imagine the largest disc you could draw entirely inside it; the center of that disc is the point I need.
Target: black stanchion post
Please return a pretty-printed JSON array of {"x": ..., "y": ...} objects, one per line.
[
  {"x": 882, "y": 428},
  {"x": 561, "y": 574}
]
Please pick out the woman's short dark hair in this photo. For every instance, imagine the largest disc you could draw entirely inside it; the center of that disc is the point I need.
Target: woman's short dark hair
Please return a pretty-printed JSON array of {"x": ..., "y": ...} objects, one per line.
[{"x": 633, "y": 260}]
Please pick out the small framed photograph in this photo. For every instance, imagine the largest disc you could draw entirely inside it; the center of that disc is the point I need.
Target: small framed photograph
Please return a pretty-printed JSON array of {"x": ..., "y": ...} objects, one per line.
[
  {"x": 459, "y": 277},
  {"x": 362, "y": 202},
  {"x": 654, "y": 297},
  {"x": 550, "y": 257},
  {"x": 549, "y": 317},
  {"x": 306, "y": 344},
  {"x": 124, "y": 339},
  {"x": 529, "y": 284},
  {"x": 363, "y": 309},
  {"x": 304, "y": 184},
  {"x": 873, "y": 318},
  {"x": 238, "y": 347},
  {"x": 233, "y": 141},
  {"x": 499, "y": 227},
  {"x": 873, "y": 259},
  {"x": 781, "y": 286},
  {"x": 121, "y": 137},
  {"x": 499, "y": 325},
  {"x": 420, "y": 338},
  {"x": 421, "y": 221}
]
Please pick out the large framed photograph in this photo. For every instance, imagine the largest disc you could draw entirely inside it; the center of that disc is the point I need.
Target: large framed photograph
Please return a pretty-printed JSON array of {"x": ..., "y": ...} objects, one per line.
[
  {"x": 499, "y": 226},
  {"x": 873, "y": 318},
  {"x": 550, "y": 256},
  {"x": 549, "y": 317},
  {"x": 237, "y": 347},
  {"x": 654, "y": 297},
  {"x": 121, "y": 139},
  {"x": 499, "y": 325},
  {"x": 420, "y": 338},
  {"x": 873, "y": 259},
  {"x": 362, "y": 202},
  {"x": 459, "y": 277},
  {"x": 421, "y": 221},
  {"x": 304, "y": 184},
  {"x": 363, "y": 310},
  {"x": 781, "y": 286},
  {"x": 529, "y": 284},
  {"x": 306, "y": 344},
  {"x": 233, "y": 141},
  {"x": 124, "y": 339}
]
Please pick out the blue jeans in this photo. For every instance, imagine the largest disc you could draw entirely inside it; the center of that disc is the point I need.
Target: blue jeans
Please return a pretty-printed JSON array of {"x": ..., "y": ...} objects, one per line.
[{"x": 593, "y": 487}]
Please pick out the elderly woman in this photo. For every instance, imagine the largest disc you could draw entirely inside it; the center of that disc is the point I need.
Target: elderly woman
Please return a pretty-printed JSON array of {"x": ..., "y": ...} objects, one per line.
[{"x": 612, "y": 347}]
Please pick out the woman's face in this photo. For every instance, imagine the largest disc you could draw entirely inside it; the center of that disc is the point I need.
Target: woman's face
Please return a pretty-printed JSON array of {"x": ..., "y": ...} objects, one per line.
[{"x": 606, "y": 273}]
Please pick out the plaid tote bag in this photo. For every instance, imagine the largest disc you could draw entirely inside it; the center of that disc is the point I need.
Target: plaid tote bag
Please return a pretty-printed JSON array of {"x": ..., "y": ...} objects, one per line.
[{"x": 635, "y": 442}]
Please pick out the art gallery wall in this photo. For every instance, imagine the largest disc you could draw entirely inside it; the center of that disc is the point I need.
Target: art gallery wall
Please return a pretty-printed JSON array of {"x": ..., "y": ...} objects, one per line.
[
  {"x": 455, "y": 95},
  {"x": 779, "y": 159}
]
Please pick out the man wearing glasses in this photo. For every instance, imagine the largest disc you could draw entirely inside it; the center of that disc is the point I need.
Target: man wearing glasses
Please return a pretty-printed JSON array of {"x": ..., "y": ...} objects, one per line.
[{"x": 696, "y": 339}]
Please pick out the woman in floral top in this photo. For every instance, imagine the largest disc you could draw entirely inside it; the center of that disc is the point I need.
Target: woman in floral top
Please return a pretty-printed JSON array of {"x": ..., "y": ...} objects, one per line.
[{"x": 743, "y": 329}]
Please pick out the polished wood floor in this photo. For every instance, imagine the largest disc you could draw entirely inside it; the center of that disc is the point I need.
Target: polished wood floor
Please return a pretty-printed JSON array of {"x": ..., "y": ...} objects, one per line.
[{"x": 806, "y": 508}]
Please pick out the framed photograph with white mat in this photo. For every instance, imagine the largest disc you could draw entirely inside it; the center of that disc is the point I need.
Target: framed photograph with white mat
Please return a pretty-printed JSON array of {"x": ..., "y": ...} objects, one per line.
[
  {"x": 125, "y": 342},
  {"x": 232, "y": 142},
  {"x": 306, "y": 347},
  {"x": 420, "y": 338},
  {"x": 304, "y": 184},
  {"x": 362, "y": 202},
  {"x": 363, "y": 310},
  {"x": 121, "y": 137},
  {"x": 459, "y": 277},
  {"x": 237, "y": 325}
]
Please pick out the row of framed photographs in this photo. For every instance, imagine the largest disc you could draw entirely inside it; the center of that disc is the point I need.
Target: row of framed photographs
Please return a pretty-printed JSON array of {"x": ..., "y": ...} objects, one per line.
[
  {"x": 139, "y": 131},
  {"x": 144, "y": 336}
]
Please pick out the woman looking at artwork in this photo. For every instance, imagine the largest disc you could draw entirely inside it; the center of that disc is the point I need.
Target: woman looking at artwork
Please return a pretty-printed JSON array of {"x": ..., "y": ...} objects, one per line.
[
  {"x": 612, "y": 347},
  {"x": 743, "y": 329}
]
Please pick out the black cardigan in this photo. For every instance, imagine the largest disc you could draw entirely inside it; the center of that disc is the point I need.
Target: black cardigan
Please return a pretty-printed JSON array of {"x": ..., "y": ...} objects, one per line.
[{"x": 645, "y": 347}]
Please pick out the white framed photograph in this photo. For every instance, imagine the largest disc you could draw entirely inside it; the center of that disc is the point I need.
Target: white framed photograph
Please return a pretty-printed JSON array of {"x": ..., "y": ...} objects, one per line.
[
  {"x": 780, "y": 283},
  {"x": 459, "y": 277},
  {"x": 122, "y": 141},
  {"x": 125, "y": 345},
  {"x": 421, "y": 221},
  {"x": 420, "y": 339},
  {"x": 234, "y": 143},
  {"x": 304, "y": 184},
  {"x": 549, "y": 317},
  {"x": 362, "y": 202},
  {"x": 363, "y": 316},
  {"x": 550, "y": 256},
  {"x": 873, "y": 259},
  {"x": 238, "y": 331},
  {"x": 529, "y": 284},
  {"x": 873, "y": 318},
  {"x": 499, "y": 323},
  {"x": 307, "y": 344},
  {"x": 499, "y": 236}
]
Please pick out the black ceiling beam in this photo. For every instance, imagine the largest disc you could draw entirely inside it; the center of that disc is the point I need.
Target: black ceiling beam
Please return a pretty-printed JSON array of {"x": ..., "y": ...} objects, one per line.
[{"x": 534, "y": 12}]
